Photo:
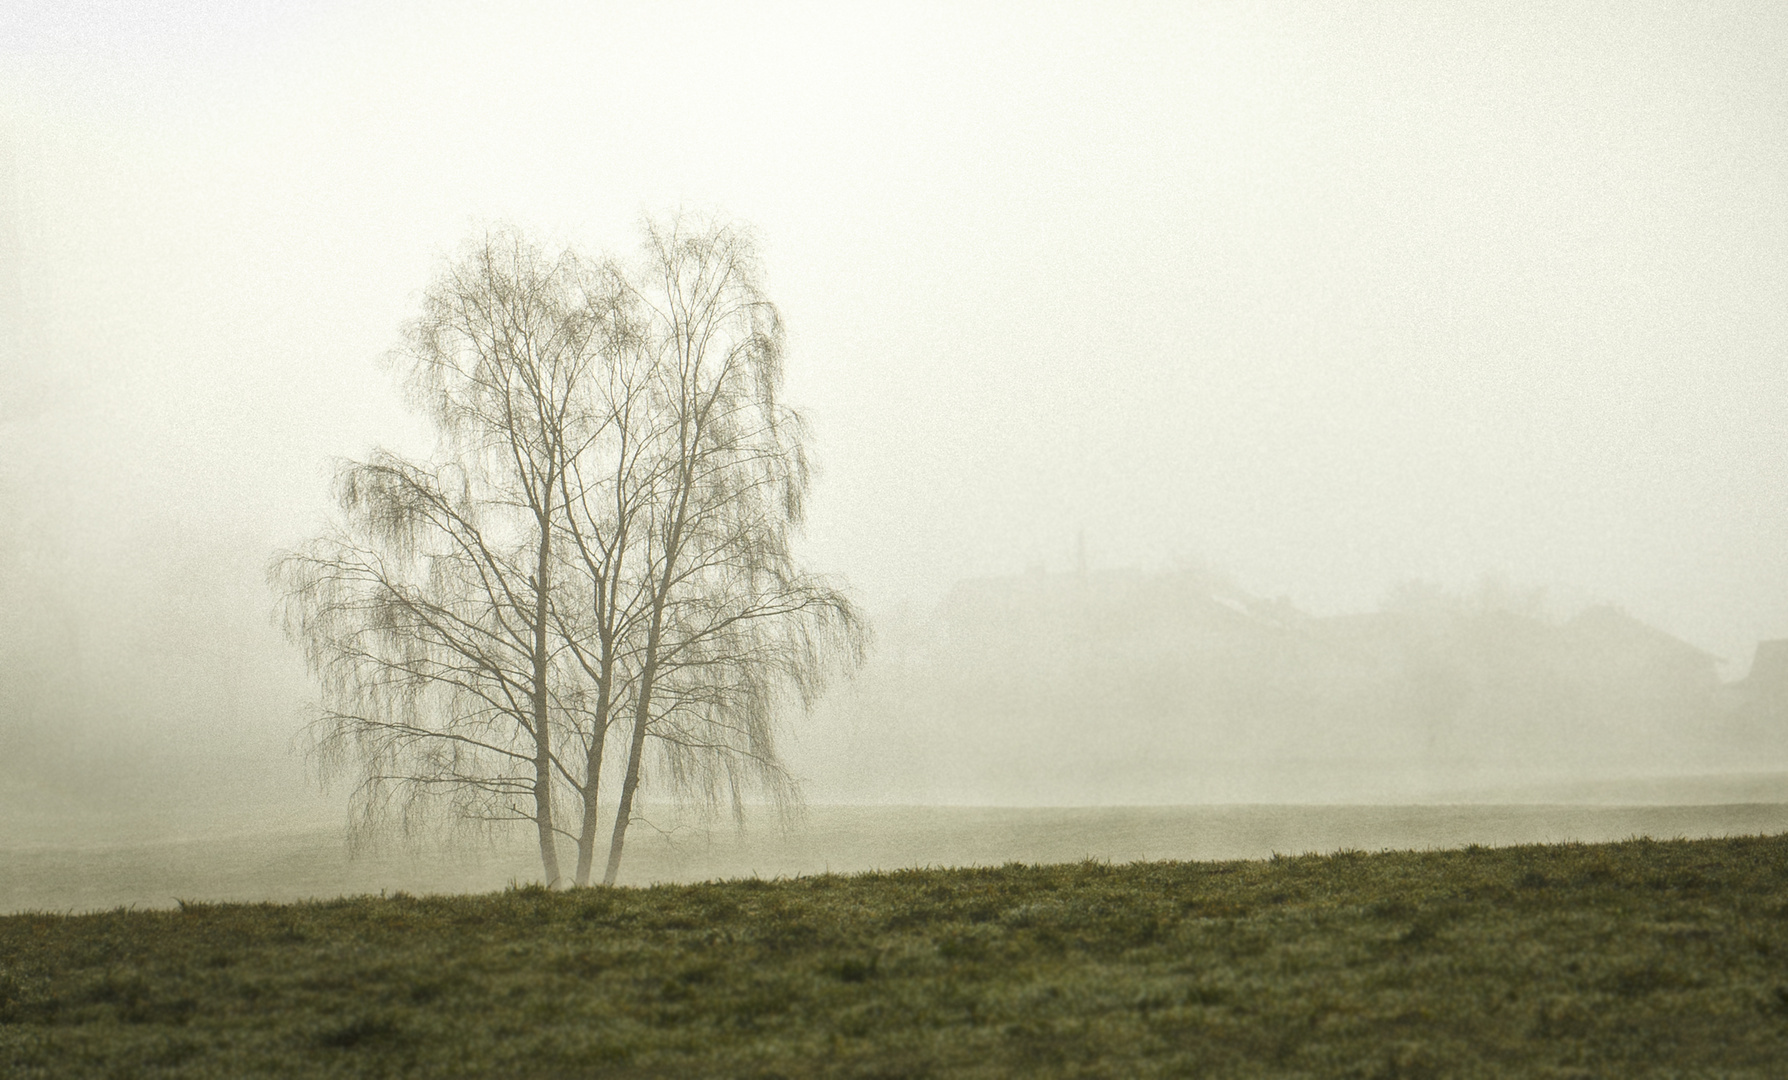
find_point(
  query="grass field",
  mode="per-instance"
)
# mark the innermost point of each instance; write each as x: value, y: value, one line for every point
x: 1642, y: 958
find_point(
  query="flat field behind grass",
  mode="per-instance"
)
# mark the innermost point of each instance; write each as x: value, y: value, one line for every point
x: 73, y: 865
x: 1640, y: 958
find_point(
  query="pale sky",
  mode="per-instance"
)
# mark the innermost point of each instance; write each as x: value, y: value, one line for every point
x: 1327, y: 295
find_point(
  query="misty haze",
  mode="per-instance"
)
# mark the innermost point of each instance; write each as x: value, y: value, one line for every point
x: 1230, y: 409
x: 448, y: 451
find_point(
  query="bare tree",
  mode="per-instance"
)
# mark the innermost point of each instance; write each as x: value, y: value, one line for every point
x: 429, y: 611
x: 606, y: 498
x: 726, y: 626
x: 606, y: 539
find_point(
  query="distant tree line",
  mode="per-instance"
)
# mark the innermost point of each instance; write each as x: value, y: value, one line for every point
x: 592, y: 582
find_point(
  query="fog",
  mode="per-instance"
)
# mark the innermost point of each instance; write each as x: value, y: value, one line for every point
x: 1449, y: 332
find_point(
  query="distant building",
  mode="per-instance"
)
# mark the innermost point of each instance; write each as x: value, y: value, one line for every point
x: 1763, y: 693
x: 1611, y: 648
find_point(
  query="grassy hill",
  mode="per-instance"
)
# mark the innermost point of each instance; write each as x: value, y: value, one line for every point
x: 1641, y: 958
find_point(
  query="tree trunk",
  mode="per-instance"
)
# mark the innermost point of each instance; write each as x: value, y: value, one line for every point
x: 543, y: 749
x: 586, y: 836
x: 642, y: 710
x: 625, y: 812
